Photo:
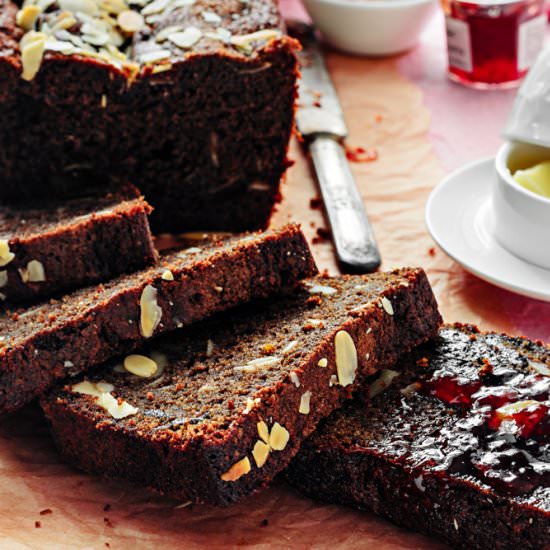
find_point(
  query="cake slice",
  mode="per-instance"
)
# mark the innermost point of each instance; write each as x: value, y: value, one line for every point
x: 457, y: 447
x: 51, y: 247
x: 213, y: 414
x: 65, y: 337
x: 191, y: 100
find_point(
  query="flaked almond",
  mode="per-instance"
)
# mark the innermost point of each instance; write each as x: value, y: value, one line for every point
x: 278, y: 437
x: 266, y: 361
x: 140, y: 365
x: 130, y: 21
x: 32, y: 51
x: 294, y: 379
x: 238, y: 470
x: 260, y: 453
x: 26, y: 17
x: 187, y: 38
x: 167, y: 275
x: 33, y: 273
x: 151, y: 313
x: 346, y: 358
x: 323, y: 362
x: 156, y: 6
x: 209, y: 347
x: 263, y: 431
x: 90, y: 388
x: 88, y: 7
x: 383, y: 382
x: 246, y: 41
x: 116, y: 408
x: 322, y: 289
x: 304, y: 403
x: 154, y: 56
x: 3, y: 279
x: 386, y: 305
x: 6, y: 255
x: 289, y: 347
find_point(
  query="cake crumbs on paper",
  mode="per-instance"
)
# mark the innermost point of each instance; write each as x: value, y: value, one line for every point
x: 431, y: 251
x: 46, y: 511
x: 37, y: 524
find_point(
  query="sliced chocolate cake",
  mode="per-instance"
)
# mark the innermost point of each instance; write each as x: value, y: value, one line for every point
x: 213, y: 413
x: 453, y: 441
x: 64, y: 337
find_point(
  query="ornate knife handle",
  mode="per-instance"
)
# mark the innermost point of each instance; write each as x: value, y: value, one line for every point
x: 351, y: 230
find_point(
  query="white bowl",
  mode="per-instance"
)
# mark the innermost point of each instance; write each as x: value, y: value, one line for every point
x: 522, y: 217
x: 371, y: 27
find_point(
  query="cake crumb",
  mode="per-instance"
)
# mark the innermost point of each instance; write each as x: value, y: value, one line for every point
x: 264, y: 522
x: 360, y: 154
x: 431, y: 251
x: 323, y: 235
x: 108, y: 522
x: 315, y: 203
x: 107, y: 507
x: 37, y: 524
x: 46, y: 511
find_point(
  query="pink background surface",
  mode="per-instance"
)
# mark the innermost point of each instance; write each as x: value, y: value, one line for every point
x: 464, y: 125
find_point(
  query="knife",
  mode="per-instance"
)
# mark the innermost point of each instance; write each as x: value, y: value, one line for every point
x: 321, y: 123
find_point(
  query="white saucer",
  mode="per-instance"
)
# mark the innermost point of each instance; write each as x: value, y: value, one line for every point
x: 459, y: 216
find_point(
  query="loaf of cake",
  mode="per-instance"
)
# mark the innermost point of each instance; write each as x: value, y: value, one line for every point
x: 453, y: 442
x: 48, y: 247
x: 214, y: 413
x: 190, y: 100
x: 61, y: 338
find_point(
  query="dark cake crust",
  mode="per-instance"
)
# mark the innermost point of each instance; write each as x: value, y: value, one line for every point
x: 65, y: 337
x: 370, y: 455
x: 204, y: 137
x: 75, y: 243
x: 196, y: 429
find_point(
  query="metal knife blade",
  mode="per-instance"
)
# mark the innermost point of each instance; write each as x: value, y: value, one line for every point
x: 320, y: 121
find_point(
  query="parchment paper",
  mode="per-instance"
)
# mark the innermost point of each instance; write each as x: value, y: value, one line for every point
x: 386, y: 112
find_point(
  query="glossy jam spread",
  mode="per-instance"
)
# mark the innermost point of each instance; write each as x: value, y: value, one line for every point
x: 502, y: 434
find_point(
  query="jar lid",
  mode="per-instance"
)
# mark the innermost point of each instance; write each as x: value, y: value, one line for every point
x: 529, y: 121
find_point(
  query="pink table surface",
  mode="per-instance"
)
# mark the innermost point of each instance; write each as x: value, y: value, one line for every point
x: 465, y: 125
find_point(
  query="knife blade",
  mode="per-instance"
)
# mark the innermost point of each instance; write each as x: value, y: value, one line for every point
x: 320, y: 121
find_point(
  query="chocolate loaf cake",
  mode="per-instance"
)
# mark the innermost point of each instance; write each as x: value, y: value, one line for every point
x: 190, y: 100
x: 53, y: 247
x: 457, y: 447
x: 65, y: 337
x: 213, y: 414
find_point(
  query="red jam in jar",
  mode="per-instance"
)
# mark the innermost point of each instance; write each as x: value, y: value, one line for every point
x: 493, y: 43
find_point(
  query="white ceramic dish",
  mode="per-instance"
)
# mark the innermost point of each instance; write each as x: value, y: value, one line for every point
x: 460, y: 218
x: 522, y: 217
x: 371, y: 27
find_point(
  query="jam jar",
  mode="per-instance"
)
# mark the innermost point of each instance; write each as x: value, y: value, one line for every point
x: 492, y: 43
